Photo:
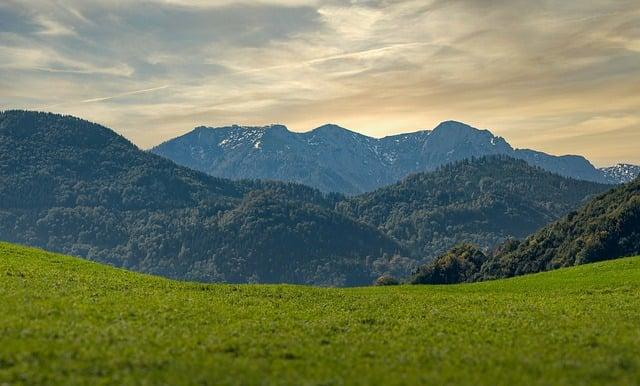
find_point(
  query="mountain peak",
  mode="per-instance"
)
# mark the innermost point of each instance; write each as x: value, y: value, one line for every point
x: 330, y: 127
x: 456, y: 128
x: 452, y: 123
x: 273, y: 126
x: 337, y: 132
x: 459, y: 137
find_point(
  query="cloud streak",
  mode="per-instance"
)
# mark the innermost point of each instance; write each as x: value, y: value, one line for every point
x: 128, y: 93
x: 347, y: 55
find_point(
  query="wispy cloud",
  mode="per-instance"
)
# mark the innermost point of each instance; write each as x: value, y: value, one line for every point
x: 347, y: 55
x: 52, y: 27
x: 45, y: 59
x: 128, y: 93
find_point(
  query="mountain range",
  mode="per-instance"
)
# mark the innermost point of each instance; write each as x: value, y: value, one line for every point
x: 73, y: 186
x: 334, y: 159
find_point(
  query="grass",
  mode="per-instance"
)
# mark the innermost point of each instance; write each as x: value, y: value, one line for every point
x: 68, y: 321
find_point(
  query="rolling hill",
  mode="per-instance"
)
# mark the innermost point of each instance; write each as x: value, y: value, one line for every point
x: 75, y: 187
x: 67, y: 321
x: 334, y: 159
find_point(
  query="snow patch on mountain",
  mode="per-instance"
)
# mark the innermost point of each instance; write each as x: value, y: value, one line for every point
x: 621, y: 173
x: 332, y: 158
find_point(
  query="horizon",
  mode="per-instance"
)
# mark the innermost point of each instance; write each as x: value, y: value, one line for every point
x: 559, y: 77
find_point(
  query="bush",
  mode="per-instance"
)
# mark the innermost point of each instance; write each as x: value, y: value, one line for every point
x: 385, y: 280
x: 460, y: 264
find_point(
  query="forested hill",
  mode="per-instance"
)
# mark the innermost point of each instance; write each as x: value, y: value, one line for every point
x: 50, y: 160
x: 608, y: 227
x: 72, y: 186
x: 483, y: 201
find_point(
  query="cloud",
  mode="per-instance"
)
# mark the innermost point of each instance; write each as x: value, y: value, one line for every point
x: 364, y: 54
x: 46, y: 60
x: 52, y: 27
x: 143, y: 91
x: 541, y: 74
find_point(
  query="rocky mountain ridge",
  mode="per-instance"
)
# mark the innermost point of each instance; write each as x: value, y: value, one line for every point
x: 332, y: 158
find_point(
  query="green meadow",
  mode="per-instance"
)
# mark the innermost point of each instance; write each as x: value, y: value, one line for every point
x: 68, y: 321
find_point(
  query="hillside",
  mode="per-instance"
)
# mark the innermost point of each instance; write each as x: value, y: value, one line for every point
x: 334, y: 159
x: 68, y: 321
x: 75, y: 187
x: 483, y: 201
x: 607, y: 227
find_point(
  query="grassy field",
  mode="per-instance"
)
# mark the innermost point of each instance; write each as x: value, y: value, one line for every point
x: 67, y: 321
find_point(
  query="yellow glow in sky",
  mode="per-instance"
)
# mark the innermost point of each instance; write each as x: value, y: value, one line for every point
x: 556, y: 76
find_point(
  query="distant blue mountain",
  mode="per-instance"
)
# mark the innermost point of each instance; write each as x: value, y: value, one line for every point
x: 332, y: 158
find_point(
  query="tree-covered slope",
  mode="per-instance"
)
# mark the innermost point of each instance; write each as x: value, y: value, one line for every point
x: 61, y: 161
x: 76, y: 187
x: 66, y: 321
x: 482, y: 201
x: 607, y: 227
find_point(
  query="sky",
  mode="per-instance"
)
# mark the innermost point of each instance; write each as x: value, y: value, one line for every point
x: 559, y: 76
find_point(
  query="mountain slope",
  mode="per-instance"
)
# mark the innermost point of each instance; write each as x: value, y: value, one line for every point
x: 272, y: 152
x: 71, y: 322
x: 483, y: 201
x: 607, y: 227
x: 332, y: 158
x: 76, y: 187
x: 621, y: 173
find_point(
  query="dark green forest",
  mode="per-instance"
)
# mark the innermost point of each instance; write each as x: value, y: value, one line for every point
x: 460, y: 264
x: 75, y: 187
x: 72, y: 186
x: 608, y: 227
x: 484, y: 201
